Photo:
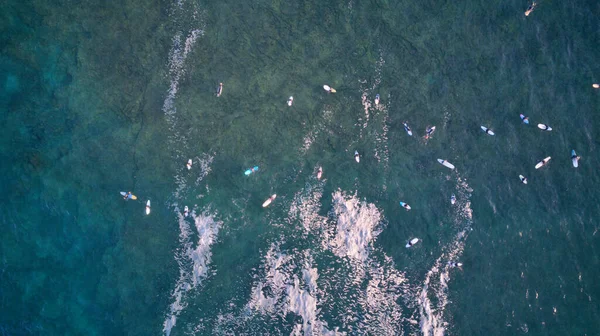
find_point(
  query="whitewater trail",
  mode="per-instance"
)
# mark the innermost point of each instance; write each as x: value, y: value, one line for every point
x: 193, y: 259
x: 436, y: 280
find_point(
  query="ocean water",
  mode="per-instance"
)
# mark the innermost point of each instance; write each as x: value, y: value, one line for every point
x: 102, y: 97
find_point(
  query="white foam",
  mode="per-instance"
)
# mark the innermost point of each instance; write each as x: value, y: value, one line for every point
x: 204, y: 168
x: 356, y: 227
x: 316, y: 130
x: 200, y: 256
x: 208, y: 229
x: 276, y: 278
x: 437, y: 278
x: 190, y: 277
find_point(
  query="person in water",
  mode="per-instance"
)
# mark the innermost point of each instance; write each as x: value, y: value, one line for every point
x: 220, y: 90
x: 530, y: 9
x: 576, y: 157
x: 428, y: 132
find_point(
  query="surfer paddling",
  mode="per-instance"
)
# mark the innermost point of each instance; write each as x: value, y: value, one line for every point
x: 329, y: 89
x: 220, y: 90
x: 412, y: 242
x: 429, y: 131
x: 530, y: 8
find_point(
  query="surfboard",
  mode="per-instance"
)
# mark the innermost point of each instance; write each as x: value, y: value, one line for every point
x: 523, y: 179
x: 542, y: 163
x: 290, y: 101
x: 405, y: 206
x: 407, y: 129
x: 133, y: 197
x: 356, y: 156
x: 320, y: 173
x: 525, y: 120
x: 251, y: 170
x: 148, y: 207
x: 446, y: 163
x: 186, y: 211
x: 544, y: 127
x: 487, y: 130
x: 452, y: 199
x: 377, y: 99
x: 189, y: 164
x: 412, y: 242
x: 574, y: 158
x: 269, y: 200
x: 328, y: 88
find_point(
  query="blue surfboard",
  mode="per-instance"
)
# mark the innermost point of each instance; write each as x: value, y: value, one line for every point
x: 251, y: 170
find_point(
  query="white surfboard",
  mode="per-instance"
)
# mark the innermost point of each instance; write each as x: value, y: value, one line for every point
x: 446, y: 163
x: 487, y: 130
x: 269, y: 200
x: 542, y: 163
x: 405, y: 206
x: 328, y: 88
x: 544, y: 127
x: 189, y: 164
x: 412, y: 242
x: 356, y: 156
x: 186, y: 211
x: 407, y: 129
x: 148, y: 207
x: 320, y: 173
x: 453, y: 199
x: 523, y: 179
x: 290, y: 101
x: 574, y: 159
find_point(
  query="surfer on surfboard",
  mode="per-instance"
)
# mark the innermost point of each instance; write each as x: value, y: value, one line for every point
x: 320, y: 173
x: 412, y: 242
x: 407, y: 128
x: 524, y: 118
x: 530, y: 9
x: 269, y: 200
x: 575, y: 158
x: 356, y: 156
x: 251, y: 170
x: 128, y: 195
x: 429, y: 131
x: 290, y: 101
x: 487, y: 130
x: 329, y: 89
x: 220, y: 90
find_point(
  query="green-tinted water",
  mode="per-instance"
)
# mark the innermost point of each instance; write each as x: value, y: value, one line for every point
x: 98, y: 98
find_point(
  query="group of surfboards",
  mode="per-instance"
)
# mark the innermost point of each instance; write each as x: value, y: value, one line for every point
x: 428, y: 134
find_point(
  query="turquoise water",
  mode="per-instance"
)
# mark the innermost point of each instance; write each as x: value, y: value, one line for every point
x: 98, y: 98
